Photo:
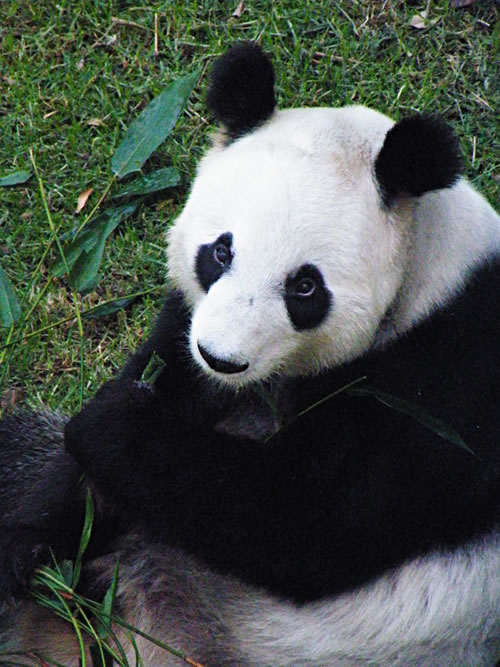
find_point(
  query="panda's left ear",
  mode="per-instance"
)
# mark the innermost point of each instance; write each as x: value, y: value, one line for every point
x: 241, y: 92
x: 420, y: 153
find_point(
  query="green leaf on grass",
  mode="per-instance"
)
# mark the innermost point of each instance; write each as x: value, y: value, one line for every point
x: 152, y: 126
x: 162, y: 179
x: 83, y: 275
x: 85, y: 241
x: 15, y: 178
x: 109, y: 308
x: 84, y: 254
x: 435, y: 425
x: 10, y: 311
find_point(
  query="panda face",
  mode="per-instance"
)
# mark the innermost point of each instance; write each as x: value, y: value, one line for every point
x: 284, y: 251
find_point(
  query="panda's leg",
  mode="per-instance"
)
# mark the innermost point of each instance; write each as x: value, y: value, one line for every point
x: 41, y: 507
x: 435, y: 611
x: 215, y: 620
x: 172, y: 598
x: 161, y: 592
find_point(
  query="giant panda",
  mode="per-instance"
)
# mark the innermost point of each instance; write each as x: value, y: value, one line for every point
x: 313, y: 478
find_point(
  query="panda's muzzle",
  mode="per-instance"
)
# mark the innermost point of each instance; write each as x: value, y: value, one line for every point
x: 221, y: 365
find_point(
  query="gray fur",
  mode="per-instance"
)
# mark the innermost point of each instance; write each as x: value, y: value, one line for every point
x: 219, y: 621
x: 448, y: 613
x: 33, y: 447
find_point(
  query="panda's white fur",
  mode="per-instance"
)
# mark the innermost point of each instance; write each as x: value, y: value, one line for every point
x: 299, y: 189
x: 412, y: 256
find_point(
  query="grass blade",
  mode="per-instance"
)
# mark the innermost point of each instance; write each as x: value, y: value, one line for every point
x: 152, y: 126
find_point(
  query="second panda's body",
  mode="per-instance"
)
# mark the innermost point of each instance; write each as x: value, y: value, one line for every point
x: 342, y: 505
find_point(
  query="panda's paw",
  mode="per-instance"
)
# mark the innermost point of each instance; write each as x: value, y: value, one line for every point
x: 121, y: 394
x: 110, y: 423
x: 116, y: 401
x: 20, y: 554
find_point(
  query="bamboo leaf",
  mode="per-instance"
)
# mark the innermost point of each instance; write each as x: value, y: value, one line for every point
x: 84, y: 540
x: 109, y: 308
x: 15, y: 178
x: 162, y: 179
x: 83, y: 276
x: 152, y: 126
x: 108, y: 605
x: 10, y: 310
x: 72, y: 251
x: 66, y: 571
x: 432, y: 423
x: 83, y: 254
x: 154, y: 369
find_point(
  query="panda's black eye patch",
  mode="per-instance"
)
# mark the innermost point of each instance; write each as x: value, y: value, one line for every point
x: 213, y: 259
x: 307, y: 298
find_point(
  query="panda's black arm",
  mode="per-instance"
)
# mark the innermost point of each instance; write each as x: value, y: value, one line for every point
x: 250, y: 509
x: 41, y: 501
x: 302, y: 516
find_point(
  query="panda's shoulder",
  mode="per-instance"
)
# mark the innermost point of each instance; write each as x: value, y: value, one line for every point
x: 472, y: 309
x: 448, y: 365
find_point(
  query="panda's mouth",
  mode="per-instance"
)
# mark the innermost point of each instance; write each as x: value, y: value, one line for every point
x: 225, y: 366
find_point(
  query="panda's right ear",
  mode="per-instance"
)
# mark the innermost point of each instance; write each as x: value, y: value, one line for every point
x: 241, y: 92
x: 420, y: 153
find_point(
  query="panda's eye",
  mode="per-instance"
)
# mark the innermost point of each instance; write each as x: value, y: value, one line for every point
x: 307, y: 298
x: 214, y: 259
x: 305, y: 287
x: 222, y: 254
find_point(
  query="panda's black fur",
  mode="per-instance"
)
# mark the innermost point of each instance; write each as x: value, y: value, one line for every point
x: 260, y: 510
x: 307, y: 488
x: 241, y: 95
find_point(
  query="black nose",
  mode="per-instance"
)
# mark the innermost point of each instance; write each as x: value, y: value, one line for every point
x: 221, y: 365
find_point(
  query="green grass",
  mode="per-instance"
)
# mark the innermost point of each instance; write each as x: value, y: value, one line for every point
x: 73, y: 77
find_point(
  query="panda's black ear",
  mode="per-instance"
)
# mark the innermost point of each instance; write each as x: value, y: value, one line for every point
x: 420, y: 153
x: 241, y: 92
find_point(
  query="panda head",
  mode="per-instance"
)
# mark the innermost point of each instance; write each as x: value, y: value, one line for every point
x: 293, y: 242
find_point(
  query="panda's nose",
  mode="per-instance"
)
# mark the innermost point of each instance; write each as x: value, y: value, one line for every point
x: 221, y: 365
